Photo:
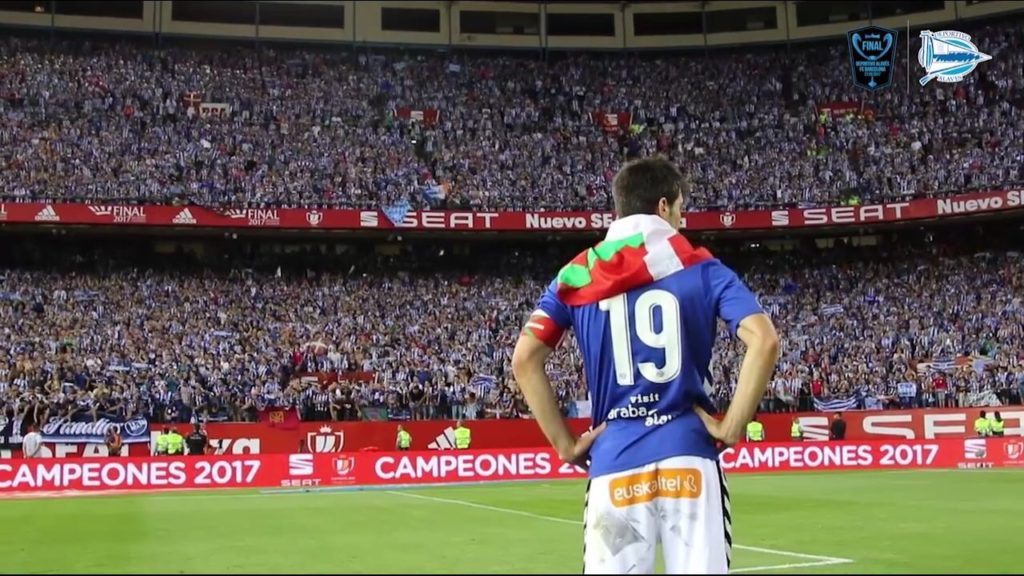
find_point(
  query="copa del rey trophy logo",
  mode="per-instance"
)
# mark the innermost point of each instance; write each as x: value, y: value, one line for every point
x: 325, y: 440
x: 343, y: 466
x: 1014, y: 450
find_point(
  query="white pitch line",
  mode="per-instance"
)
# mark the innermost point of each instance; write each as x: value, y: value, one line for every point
x: 486, y: 507
x: 791, y: 566
x: 793, y: 554
x: 820, y: 560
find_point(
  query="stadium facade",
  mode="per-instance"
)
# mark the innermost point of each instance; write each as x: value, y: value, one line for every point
x: 522, y: 25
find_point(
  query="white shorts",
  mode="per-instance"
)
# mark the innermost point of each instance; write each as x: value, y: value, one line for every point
x: 681, y: 503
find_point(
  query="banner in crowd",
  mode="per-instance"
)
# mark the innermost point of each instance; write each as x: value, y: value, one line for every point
x: 835, y: 404
x: 953, y: 363
x: 906, y: 389
x: 191, y: 99
x: 612, y: 122
x: 328, y: 378
x: 346, y: 437
x: 281, y: 418
x: 840, y: 109
x: 404, y: 468
x: 214, y: 109
x: 11, y: 432
x: 426, y: 115
x: 81, y: 429
x: 441, y: 220
x: 375, y: 413
x: 984, y: 398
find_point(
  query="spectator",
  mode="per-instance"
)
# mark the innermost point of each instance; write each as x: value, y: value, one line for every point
x: 32, y: 443
x: 837, y: 429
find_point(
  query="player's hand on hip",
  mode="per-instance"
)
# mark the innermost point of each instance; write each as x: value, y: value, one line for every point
x: 719, y: 429
x: 579, y: 453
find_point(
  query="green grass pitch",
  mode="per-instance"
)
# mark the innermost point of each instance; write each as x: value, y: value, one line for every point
x: 855, y: 522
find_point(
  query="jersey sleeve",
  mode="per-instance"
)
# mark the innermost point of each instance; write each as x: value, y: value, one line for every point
x: 733, y: 301
x: 551, y: 318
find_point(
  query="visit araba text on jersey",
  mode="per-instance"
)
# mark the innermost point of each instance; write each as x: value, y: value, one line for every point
x: 640, y: 407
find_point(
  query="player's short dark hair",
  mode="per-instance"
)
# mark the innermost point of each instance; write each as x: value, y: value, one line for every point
x: 641, y: 184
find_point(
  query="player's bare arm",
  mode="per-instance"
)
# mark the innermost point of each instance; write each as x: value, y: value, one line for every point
x: 528, y: 362
x: 762, y: 341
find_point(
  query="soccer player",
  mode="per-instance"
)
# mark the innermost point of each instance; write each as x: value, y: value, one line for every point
x: 643, y: 304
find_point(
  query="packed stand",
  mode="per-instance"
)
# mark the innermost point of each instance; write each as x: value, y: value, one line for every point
x: 937, y: 331
x: 419, y: 343
x: 176, y: 348
x: 90, y: 122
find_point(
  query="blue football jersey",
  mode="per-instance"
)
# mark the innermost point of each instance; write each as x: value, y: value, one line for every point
x: 646, y: 354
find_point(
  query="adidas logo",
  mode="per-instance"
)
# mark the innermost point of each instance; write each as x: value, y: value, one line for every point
x: 444, y: 441
x: 184, y: 217
x: 47, y: 214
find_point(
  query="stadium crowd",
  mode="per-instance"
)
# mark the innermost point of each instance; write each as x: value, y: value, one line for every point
x: 90, y: 122
x: 95, y: 122
x: 181, y: 346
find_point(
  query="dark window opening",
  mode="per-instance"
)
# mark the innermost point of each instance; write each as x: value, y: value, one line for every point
x: 665, y: 23
x: 886, y: 9
x: 742, y: 20
x: 35, y: 7
x: 301, y: 15
x: 410, y: 20
x: 484, y: 22
x: 131, y: 10
x: 816, y: 13
x: 214, y: 12
x: 581, y: 25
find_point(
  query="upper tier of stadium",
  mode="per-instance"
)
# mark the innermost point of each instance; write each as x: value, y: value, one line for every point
x: 97, y: 122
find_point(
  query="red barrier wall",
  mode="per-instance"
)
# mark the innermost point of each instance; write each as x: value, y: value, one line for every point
x: 396, y: 468
x: 495, y: 434
x: 334, y: 437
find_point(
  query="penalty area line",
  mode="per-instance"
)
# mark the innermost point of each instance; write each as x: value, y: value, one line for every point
x: 818, y: 560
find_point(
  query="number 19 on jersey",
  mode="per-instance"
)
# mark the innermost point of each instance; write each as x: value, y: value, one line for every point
x: 631, y: 330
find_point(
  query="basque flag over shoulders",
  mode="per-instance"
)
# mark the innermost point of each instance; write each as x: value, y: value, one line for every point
x: 638, y: 250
